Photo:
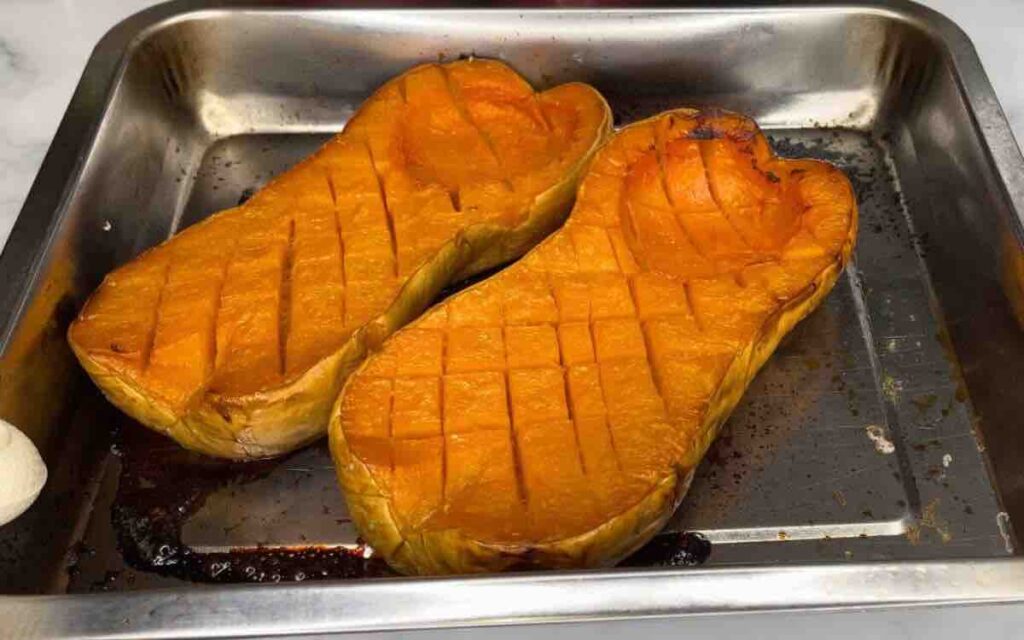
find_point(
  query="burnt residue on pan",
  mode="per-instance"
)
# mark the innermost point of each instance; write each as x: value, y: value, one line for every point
x: 162, y: 485
x: 683, y: 549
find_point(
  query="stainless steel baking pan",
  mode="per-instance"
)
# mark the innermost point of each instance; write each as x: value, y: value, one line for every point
x: 873, y: 463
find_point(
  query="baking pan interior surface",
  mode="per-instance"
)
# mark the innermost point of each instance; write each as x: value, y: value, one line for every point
x: 883, y: 429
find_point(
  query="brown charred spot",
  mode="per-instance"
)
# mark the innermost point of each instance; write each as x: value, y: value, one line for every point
x: 246, y: 194
x: 224, y: 413
x: 702, y: 132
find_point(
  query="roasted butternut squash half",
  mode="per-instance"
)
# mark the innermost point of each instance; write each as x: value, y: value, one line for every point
x: 234, y: 336
x: 553, y: 415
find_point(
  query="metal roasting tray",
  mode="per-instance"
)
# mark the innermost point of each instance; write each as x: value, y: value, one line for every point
x: 873, y: 463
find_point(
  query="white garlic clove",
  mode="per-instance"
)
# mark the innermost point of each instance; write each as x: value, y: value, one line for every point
x: 22, y: 472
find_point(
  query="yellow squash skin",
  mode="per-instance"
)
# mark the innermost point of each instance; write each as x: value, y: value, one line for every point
x: 235, y: 336
x: 553, y: 415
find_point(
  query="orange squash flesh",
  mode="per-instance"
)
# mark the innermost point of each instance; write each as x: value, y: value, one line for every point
x: 552, y: 415
x: 234, y: 336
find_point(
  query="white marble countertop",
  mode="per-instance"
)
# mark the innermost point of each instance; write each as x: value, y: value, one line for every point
x: 44, y: 45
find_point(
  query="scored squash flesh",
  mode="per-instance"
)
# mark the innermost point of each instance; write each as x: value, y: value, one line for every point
x: 553, y: 415
x: 234, y: 336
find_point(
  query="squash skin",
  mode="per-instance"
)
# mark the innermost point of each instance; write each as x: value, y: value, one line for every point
x: 428, y: 551
x: 275, y: 420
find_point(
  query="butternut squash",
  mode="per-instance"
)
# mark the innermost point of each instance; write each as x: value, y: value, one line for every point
x: 553, y: 415
x: 234, y: 336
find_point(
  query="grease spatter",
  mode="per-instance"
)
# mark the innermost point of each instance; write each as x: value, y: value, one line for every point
x: 930, y: 519
x: 1003, y: 522
x: 891, y: 388
x: 924, y: 401
x: 879, y: 438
